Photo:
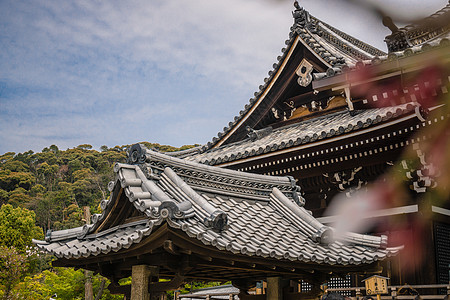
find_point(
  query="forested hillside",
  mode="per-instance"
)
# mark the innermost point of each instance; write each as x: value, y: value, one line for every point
x: 47, y: 190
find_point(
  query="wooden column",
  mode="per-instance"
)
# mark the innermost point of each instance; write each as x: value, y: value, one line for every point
x: 140, y: 279
x: 274, y: 288
x: 88, y: 289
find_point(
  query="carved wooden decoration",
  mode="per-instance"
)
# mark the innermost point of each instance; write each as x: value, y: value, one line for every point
x: 304, y: 71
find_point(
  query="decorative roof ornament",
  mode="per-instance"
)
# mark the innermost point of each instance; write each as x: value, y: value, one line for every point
x: 302, y: 19
x: 397, y: 40
x: 304, y: 71
x: 258, y: 134
x: 301, y: 16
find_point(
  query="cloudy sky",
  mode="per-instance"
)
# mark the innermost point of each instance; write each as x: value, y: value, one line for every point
x: 110, y: 72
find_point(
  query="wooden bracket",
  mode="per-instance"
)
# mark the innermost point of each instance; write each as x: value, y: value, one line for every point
x: 159, y: 287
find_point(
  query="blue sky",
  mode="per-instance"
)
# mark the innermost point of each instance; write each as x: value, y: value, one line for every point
x: 172, y: 72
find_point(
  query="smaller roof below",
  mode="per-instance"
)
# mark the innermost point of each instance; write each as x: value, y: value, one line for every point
x: 238, y: 213
x: 216, y: 292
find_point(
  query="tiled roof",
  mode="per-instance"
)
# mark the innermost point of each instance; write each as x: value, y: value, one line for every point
x: 332, y: 46
x: 308, y: 131
x: 431, y: 32
x: 240, y: 213
x: 430, y: 28
x: 443, y: 41
x: 216, y: 292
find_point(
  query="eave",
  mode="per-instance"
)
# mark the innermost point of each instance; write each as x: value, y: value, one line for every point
x: 326, y: 130
x: 396, y: 64
x: 174, y: 253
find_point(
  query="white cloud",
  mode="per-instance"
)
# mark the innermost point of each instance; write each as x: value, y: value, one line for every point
x: 118, y: 72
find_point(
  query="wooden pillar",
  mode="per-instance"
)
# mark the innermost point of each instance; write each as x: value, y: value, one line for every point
x: 162, y: 296
x: 274, y: 288
x: 140, y: 279
x: 88, y: 289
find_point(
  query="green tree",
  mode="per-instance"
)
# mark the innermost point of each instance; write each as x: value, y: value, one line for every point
x: 16, y: 166
x: 6, y: 157
x: 66, y: 283
x: 84, y: 147
x: 17, y: 227
x: 13, y: 266
x: 19, y: 197
x: 11, y: 180
x: 26, y: 157
x: 4, y: 196
x: 48, y: 173
x: 73, y: 217
x: 54, y: 149
x: 37, y: 189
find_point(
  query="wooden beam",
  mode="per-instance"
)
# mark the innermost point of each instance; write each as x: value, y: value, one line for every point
x: 170, y: 247
x: 166, y: 286
x: 107, y: 218
x: 120, y: 289
x: 254, y: 268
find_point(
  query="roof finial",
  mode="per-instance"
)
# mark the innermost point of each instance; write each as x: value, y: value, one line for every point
x: 397, y: 40
x: 387, y: 21
x: 300, y: 15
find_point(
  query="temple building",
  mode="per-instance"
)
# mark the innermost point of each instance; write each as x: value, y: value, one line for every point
x: 335, y: 117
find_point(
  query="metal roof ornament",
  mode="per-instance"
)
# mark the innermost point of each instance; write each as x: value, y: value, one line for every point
x: 301, y: 16
x: 258, y: 134
x: 136, y: 155
x: 397, y: 40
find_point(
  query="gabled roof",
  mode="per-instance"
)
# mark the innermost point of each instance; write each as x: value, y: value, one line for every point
x: 303, y: 133
x: 238, y: 213
x: 215, y: 292
x: 329, y: 46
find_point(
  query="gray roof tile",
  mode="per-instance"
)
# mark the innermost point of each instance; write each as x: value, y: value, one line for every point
x: 273, y: 226
x: 305, y: 132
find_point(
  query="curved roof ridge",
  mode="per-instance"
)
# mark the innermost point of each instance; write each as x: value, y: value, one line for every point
x: 184, y: 153
x: 419, y: 32
x: 209, y: 178
x: 177, y: 163
x: 361, y: 45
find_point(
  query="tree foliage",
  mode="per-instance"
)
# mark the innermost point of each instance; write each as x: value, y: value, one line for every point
x: 13, y: 265
x: 17, y: 227
x: 49, y: 189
